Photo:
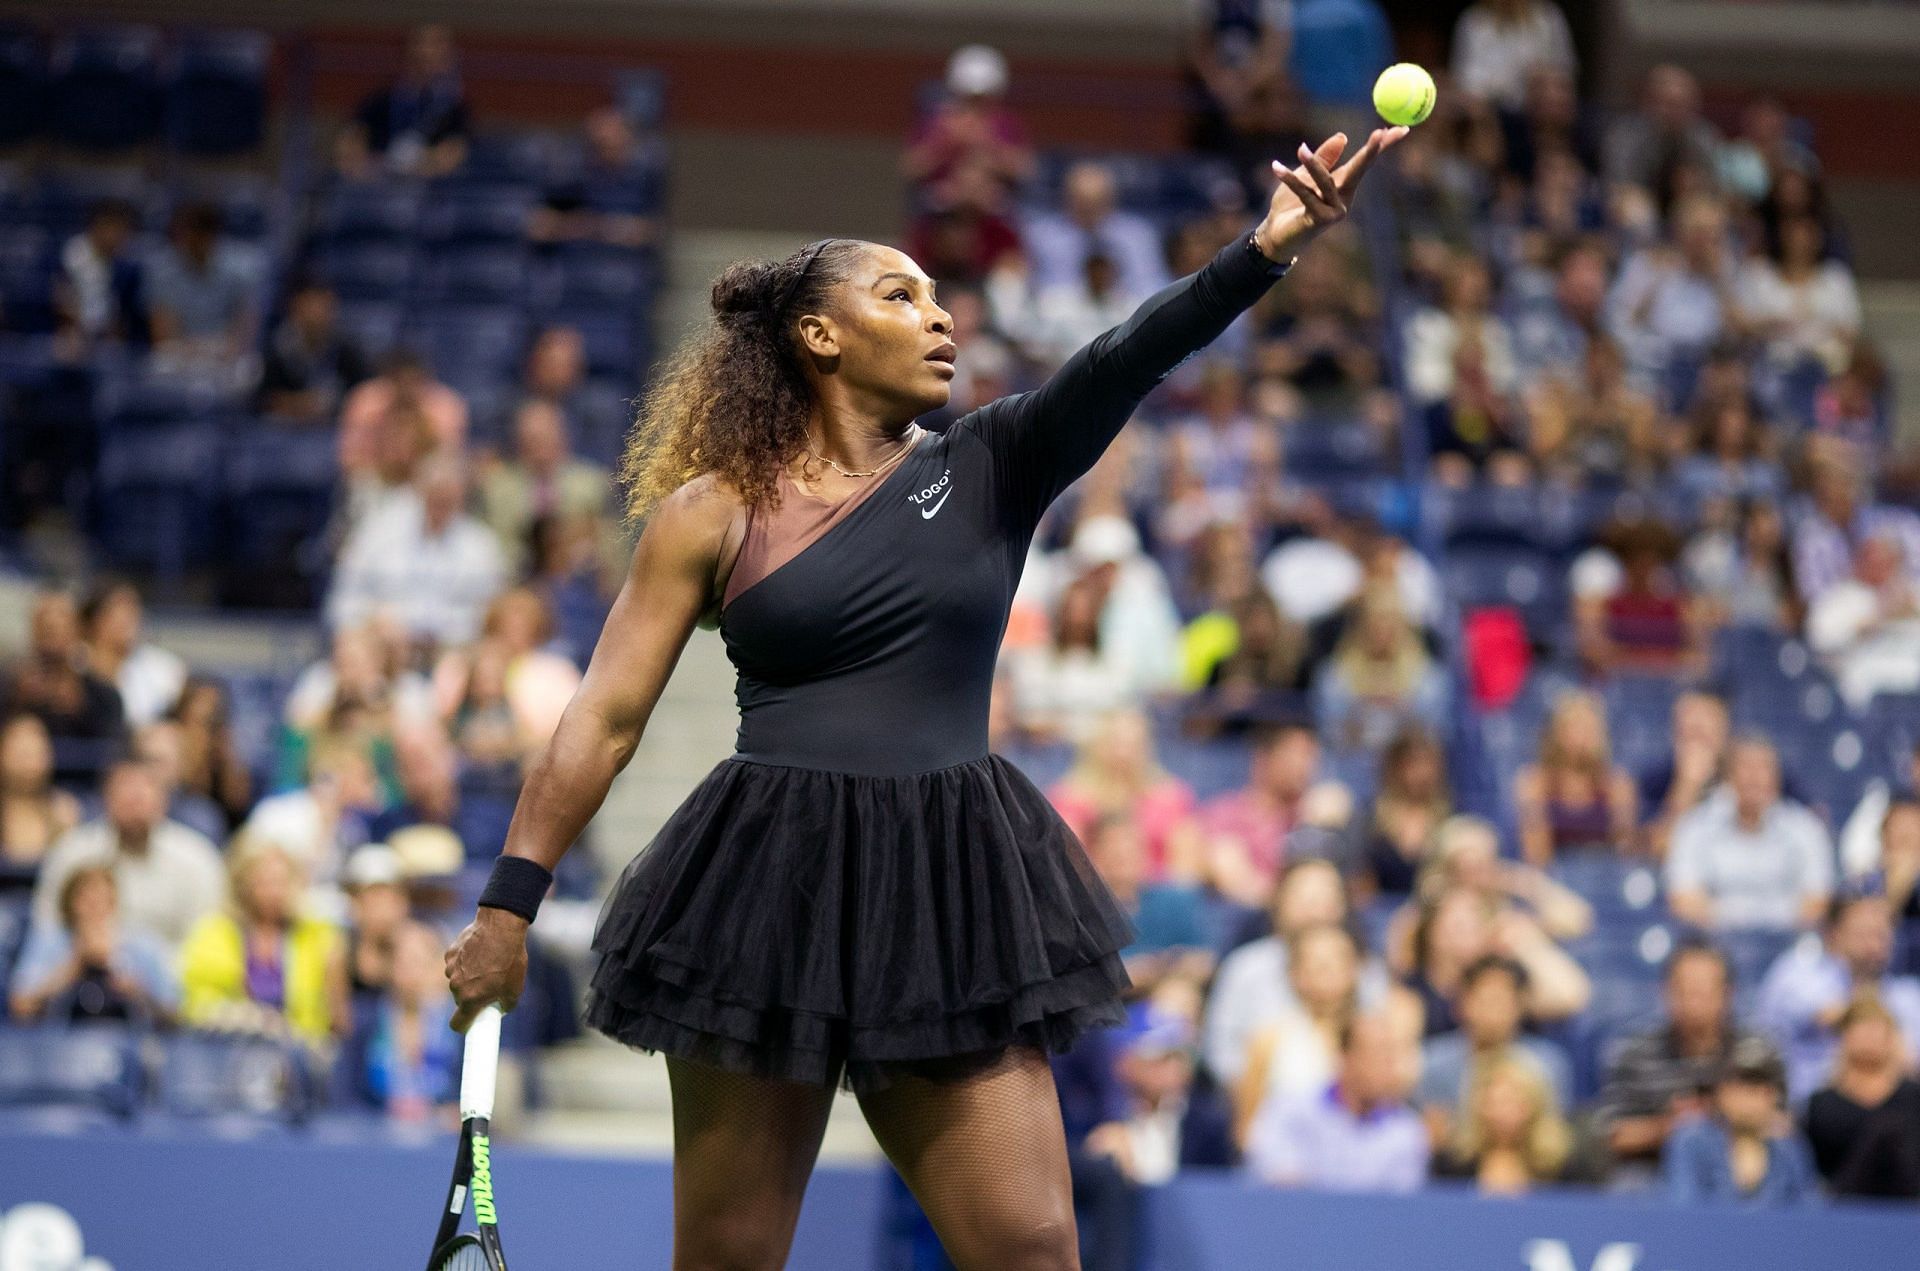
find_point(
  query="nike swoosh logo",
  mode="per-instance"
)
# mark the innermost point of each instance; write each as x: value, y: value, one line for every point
x: 926, y: 514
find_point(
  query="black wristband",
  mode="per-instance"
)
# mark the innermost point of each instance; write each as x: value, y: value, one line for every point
x: 1274, y: 268
x: 516, y: 885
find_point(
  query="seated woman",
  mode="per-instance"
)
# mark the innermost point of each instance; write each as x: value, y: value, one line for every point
x: 1465, y: 855
x: 1249, y: 673
x: 401, y: 1056
x: 1063, y: 688
x: 1741, y: 567
x: 525, y: 674
x: 1648, y: 622
x: 1410, y: 805
x: 1513, y: 1137
x: 32, y: 812
x: 1116, y: 772
x: 1865, y: 1126
x: 1574, y: 796
x: 262, y: 967
x: 1169, y: 919
x: 1294, y: 1054
x: 88, y: 967
x: 1380, y: 678
x: 1460, y: 926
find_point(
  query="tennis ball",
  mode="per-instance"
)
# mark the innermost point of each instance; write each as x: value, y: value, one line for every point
x: 1404, y: 94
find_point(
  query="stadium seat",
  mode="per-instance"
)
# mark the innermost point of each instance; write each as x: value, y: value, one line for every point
x: 367, y: 270
x: 26, y: 279
x: 105, y: 92
x: 478, y: 214
x: 217, y: 92
x: 1620, y: 888
x: 247, y: 204
x: 1491, y: 575
x: 520, y: 158
x: 374, y: 325
x: 23, y: 84
x: 641, y: 94
x: 1753, y: 952
x: 277, y: 493
x: 358, y: 212
x: 236, y: 1083
x: 599, y: 417
x: 1487, y: 516
x: 473, y: 275
x: 156, y: 498
x: 611, y: 337
x: 91, y: 1067
x: 475, y: 342
x: 1322, y: 450
x: 605, y: 279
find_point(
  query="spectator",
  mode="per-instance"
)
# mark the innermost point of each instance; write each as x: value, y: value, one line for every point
x: 966, y: 236
x: 1659, y: 1079
x: 1898, y: 864
x: 1511, y: 1136
x: 542, y: 479
x: 1745, y: 1149
x: 1694, y: 766
x: 54, y: 683
x: 1593, y: 424
x: 1247, y: 829
x: 1412, y: 802
x: 85, y: 968
x: 1836, y: 517
x: 422, y: 558
x: 1356, y: 1135
x: 33, y: 813
x: 405, y: 380
x: 1174, y: 1118
x: 377, y: 908
x: 168, y: 876
x: 1741, y: 570
x: 1222, y: 441
x: 539, y: 681
x: 1236, y: 70
x: 614, y: 198
x: 1799, y: 302
x: 1254, y: 989
x: 1138, y: 621
x: 401, y: 1056
x: 1865, y: 1126
x: 149, y: 677
x: 1317, y: 333
x: 1294, y: 1055
x: 1465, y: 855
x: 1574, y: 796
x: 1645, y: 623
x: 1745, y: 857
x: 1666, y: 131
x: 416, y: 126
x: 158, y: 746
x: 403, y: 443
x: 1807, y: 991
x: 202, y: 292
x: 1671, y: 304
x: 210, y: 763
x: 1498, y: 45
x: 1459, y: 927
x: 1064, y: 690
x: 1553, y: 331
x: 1380, y: 677
x: 1116, y: 772
x: 368, y: 665
x: 1731, y: 456
x: 971, y: 127
x: 555, y: 370
x: 1493, y: 994
x: 426, y: 765
x: 574, y: 575
x: 261, y: 966
x: 1314, y: 578
x: 1058, y: 243
x: 1169, y: 919
x: 1464, y: 317
x: 1067, y: 316
x: 97, y: 293
x: 311, y: 363
x: 1748, y: 163
x: 320, y: 823
x: 1867, y: 628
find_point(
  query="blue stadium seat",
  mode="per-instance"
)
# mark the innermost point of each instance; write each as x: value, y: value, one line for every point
x: 1487, y: 516
x: 478, y: 214
x: 23, y: 84
x: 607, y: 279
x: 641, y: 94
x: 373, y: 324
x: 611, y: 337
x: 105, y: 90
x: 1753, y: 953
x: 1322, y: 450
x: 475, y: 342
x: 144, y: 403
x: 1621, y: 890
x: 90, y: 1067
x: 474, y: 275
x: 1494, y: 575
x: 381, y: 211
x: 69, y: 193
x: 278, y: 492
x: 367, y: 270
x: 246, y: 203
x: 235, y: 1083
x: 217, y: 92
x: 599, y: 417
x: 156, y: 498
x: 26, y: 279
x: 520, y: 158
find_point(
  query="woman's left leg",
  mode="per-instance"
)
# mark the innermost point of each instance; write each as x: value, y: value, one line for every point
x: 986, y: 1157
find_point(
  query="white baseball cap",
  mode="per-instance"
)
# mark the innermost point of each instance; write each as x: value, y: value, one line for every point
x: 977, y: 70
x: 374, y: 865
x: 1103, y: 540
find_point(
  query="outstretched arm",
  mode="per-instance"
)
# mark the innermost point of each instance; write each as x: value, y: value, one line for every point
x: 1043, y: 440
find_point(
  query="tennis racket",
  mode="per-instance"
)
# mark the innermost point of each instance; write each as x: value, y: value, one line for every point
x: 473, y: 1163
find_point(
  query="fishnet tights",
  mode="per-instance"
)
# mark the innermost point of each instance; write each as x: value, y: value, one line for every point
x: 984, y: 1154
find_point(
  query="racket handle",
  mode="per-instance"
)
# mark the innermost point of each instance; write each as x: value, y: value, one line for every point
x: 481, y: 1066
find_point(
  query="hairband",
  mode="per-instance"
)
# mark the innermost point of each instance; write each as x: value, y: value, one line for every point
x: 780, y: 301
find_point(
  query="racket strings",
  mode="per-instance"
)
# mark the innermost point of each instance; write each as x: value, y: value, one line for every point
x: 463, y: 1257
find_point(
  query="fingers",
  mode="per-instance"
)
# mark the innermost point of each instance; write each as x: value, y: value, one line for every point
x: 1322, y: 177
x: 1317, y: 207
x: 464, y: 1015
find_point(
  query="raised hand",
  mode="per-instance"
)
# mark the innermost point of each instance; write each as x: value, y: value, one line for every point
x: 1317, y: 194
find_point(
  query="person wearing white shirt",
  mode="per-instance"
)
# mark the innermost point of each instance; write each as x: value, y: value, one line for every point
x: 1746, y: 857
x: 1066, y: 317
x: 1802, y: 304
x: 1498, y: 44
x: 422, y: 558
x: 1089, y: 222
x: 168, y: 876
x: 1311, y: 578
x: 149, y: 678
x: 1868, y: 627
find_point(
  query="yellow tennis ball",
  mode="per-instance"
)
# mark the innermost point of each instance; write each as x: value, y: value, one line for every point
x: 1404, y: 94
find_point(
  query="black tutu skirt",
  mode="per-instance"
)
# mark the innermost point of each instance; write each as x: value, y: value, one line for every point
x: 830, y: 928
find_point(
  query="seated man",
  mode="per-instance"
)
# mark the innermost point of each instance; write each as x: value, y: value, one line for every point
x: 1358, y: 1134
x: 1865, y: 1126
x: 1740, y: 1152
x: 1492, y: 1008
x: 1747, y: 857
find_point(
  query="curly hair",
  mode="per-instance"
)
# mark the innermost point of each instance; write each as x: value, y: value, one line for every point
x: 732, y: 401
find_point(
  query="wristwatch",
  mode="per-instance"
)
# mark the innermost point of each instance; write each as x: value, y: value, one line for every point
x: 1272, y: 267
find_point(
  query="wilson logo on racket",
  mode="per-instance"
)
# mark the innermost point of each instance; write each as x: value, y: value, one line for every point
x: 483, y: 1181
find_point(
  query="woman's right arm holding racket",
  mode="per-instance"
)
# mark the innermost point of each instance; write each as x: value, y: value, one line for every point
x: 672, y: 580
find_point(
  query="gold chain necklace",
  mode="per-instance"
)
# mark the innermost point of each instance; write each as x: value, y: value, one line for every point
x: 906, y: 445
